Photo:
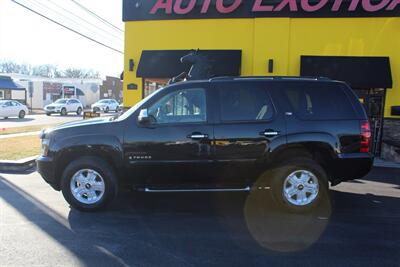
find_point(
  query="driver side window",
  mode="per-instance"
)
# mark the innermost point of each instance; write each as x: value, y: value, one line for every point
x: 182, y: 106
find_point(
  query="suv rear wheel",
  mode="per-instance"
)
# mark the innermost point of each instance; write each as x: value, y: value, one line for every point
x: 79, y: 111
x: 299, y: 185
x: 89, y: 184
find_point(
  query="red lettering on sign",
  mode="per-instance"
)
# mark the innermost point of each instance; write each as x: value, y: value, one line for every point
x: 225, y: 10
x: 393, y: 5
x: 353, y: 5
x: 181, y: 11
x: 162, y: 4
x: 292, y: 5
x: 372, y: 8
x: 258, y: 7
x: 336, y: 5
x: 206, y: 6
x: 309, y: 8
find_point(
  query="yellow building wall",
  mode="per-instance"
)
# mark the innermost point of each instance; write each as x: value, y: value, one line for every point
x: 282, y: 39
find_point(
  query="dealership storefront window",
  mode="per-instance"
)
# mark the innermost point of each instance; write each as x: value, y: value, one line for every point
x: 152, y: 84
x: 353, y: 41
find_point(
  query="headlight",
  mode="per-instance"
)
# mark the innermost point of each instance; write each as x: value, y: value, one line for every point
x: 45, y: 146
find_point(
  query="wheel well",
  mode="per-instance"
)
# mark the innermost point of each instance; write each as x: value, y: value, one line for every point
x: 67, y: 157
x: 318, y: 152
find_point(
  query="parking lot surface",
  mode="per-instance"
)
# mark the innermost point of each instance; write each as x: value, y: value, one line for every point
x: 41, y: 119
x: 360, y: 228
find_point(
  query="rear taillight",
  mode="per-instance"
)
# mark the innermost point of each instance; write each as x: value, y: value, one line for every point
x: 365, y: 132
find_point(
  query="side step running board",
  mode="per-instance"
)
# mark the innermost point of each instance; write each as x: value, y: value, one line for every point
x: 150, y: 190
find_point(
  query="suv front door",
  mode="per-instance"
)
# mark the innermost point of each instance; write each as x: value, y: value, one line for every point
x: 175, y: 148
x: 249, y: 122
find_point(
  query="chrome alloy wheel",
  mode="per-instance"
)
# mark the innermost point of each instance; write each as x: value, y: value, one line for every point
x: 87, y: 186
x: 300, y: 188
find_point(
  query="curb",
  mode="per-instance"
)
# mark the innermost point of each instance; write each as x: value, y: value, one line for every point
x: 21, y: 165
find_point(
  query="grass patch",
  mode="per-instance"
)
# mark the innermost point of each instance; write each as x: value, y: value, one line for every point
x: 16, y: 148
x: 25, y: 129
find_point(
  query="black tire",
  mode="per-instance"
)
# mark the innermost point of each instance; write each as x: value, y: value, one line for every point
x: 79, y: 111
x: 104, y: 169
x: 48, y: 114
x: 21, y: 114
x: 107, y: 110
x: 63, y: 112
x: 279, y: 174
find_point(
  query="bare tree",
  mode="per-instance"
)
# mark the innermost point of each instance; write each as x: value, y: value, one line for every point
x: 47, y: 70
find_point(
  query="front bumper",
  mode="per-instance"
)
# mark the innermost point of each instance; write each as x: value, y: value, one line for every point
x: 98, y: 108
x: 56, y: 110
x: 46, y: 168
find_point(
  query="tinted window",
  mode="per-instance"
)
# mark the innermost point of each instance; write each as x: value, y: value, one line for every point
x: 245, y: 103
x: 181, y: 106
x: 319, y: 101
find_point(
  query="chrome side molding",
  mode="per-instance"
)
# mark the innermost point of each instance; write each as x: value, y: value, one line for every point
x: 149, y: 190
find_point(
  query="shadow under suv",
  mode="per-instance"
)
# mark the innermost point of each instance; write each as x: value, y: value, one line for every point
x: 292, y: 135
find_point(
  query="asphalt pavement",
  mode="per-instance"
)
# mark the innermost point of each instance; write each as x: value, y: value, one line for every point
x: 360, y: 227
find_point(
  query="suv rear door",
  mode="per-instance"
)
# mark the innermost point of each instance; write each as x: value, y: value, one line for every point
x: 249, y: 122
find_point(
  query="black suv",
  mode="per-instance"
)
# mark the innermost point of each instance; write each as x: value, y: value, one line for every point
x: 291, y: 136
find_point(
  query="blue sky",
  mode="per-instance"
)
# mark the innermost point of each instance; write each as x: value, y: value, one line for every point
x: 28, y: 38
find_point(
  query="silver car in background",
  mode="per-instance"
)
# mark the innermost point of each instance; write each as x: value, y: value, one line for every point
x: 12, y: 108
x: 106, y: 105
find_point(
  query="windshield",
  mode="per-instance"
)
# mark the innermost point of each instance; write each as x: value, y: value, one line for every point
x: 139, y: 104
x: 61, y: 101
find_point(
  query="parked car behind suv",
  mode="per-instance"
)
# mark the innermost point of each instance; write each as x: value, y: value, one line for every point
x: 290, y: 135
x: 64, y: 106
x: 12, y: 108
x: 106, y: 105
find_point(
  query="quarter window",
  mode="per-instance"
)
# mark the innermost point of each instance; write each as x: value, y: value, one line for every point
x: 183, y: 106
x: 245, y: 104
x: 319, y: 101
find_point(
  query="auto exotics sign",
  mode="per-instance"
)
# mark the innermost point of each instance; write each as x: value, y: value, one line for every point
x: 204, y: 9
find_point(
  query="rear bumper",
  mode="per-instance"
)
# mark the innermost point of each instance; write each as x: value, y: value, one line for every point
x: 352, y: 166
x: 46, y: 168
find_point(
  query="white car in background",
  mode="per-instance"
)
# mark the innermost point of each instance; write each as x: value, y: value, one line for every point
x: 106, y: 105
x: 64, y: 106
x: 12, y: 108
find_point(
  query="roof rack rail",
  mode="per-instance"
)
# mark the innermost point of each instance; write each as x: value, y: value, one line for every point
x: 237, y: 78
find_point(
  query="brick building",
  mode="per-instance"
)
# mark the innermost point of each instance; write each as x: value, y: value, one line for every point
x: 111, y: 88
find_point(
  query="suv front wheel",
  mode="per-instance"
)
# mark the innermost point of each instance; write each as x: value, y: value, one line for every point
x: 299, y: 185
x: 89, y: 184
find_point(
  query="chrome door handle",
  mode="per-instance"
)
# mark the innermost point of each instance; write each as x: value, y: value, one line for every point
x: 197, y: 136
x: 271, y: 133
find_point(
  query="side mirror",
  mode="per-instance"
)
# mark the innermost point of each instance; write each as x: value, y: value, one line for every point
x: 144, y: 117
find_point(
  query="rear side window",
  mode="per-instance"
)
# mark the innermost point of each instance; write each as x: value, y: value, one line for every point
x: 245, y: 103
x: 319, y: 101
